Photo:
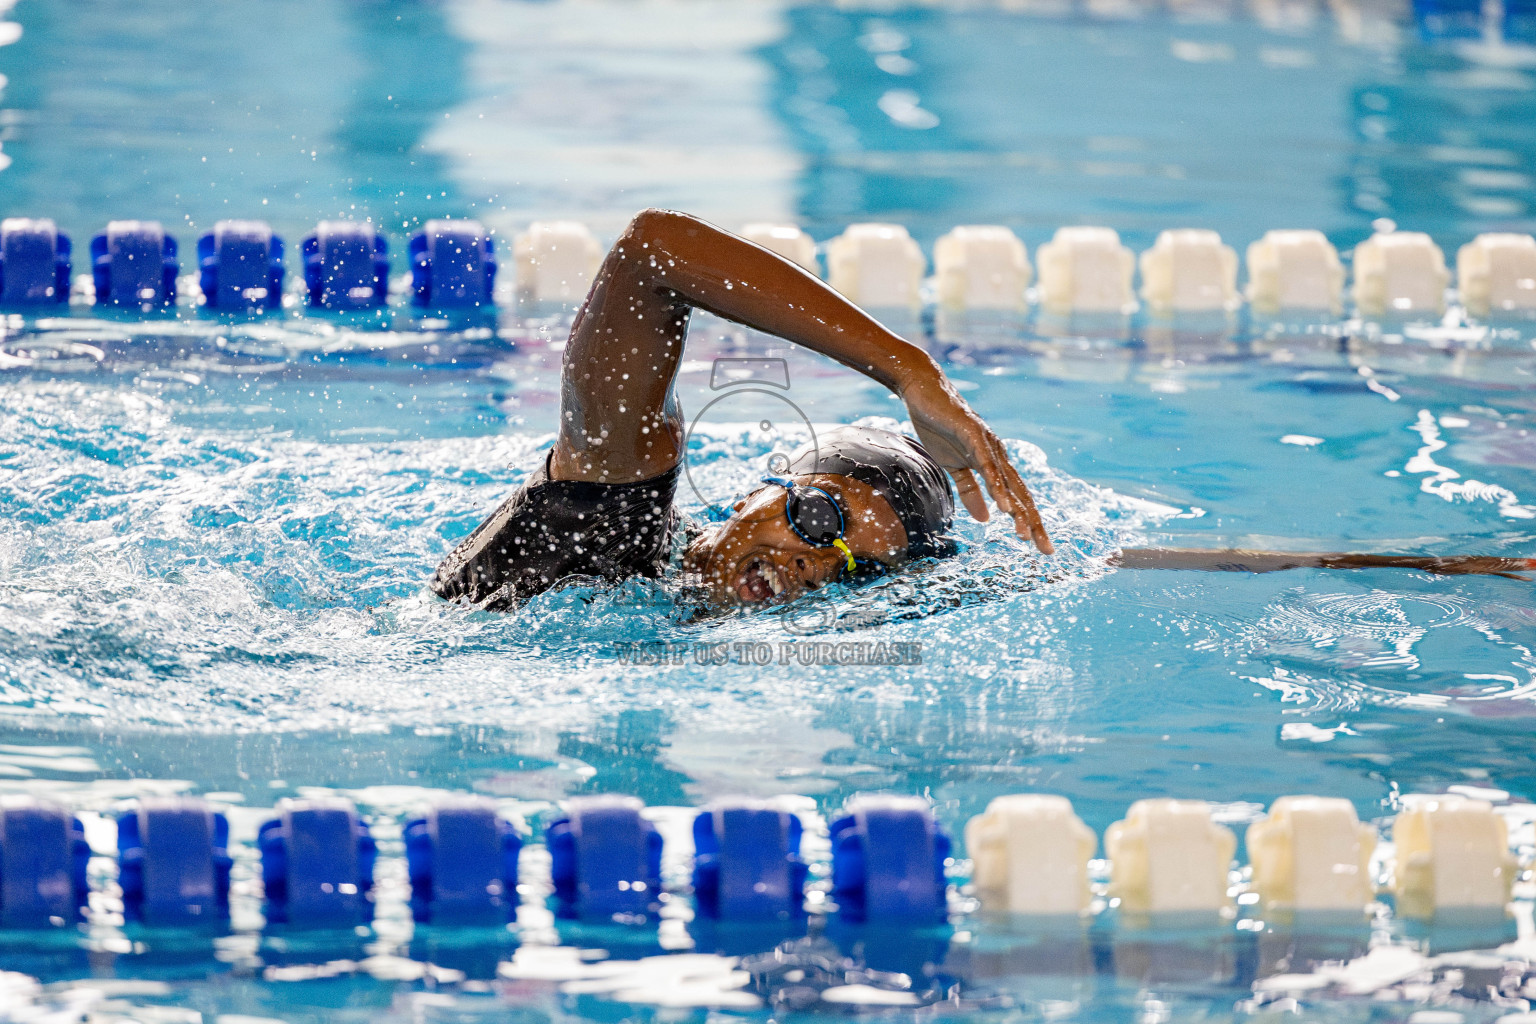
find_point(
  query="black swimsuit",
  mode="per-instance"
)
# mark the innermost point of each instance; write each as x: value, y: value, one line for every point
x: 553, y: 529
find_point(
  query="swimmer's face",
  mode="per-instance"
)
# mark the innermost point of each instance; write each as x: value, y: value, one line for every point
x: 756, y: 557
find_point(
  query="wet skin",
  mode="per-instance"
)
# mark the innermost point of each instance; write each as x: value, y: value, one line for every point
x: 757, y: 558
x: 620, y: 420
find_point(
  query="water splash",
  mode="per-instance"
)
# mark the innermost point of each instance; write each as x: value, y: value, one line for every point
x: 176, y: 568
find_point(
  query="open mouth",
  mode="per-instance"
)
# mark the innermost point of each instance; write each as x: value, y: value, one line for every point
x: 759, y: 581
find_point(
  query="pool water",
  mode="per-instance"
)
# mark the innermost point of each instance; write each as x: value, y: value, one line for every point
x: 215, y: 533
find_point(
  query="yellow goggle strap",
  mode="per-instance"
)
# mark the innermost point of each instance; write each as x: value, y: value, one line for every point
x: 842, y: 546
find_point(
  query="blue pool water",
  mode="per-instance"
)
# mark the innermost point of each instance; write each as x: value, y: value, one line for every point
x: 214, y: 534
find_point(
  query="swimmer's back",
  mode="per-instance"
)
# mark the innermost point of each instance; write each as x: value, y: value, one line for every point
x: 550, y: 530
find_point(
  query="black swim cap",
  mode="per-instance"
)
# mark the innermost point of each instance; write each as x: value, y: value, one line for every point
x: 899, y: 470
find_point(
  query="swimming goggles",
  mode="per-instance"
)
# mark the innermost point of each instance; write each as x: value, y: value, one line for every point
x: 815, y: 516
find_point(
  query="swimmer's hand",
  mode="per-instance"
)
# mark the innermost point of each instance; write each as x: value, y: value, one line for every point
x: 965, y: 446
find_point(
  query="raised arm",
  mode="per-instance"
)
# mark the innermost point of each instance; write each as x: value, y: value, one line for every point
x: 619, y: 419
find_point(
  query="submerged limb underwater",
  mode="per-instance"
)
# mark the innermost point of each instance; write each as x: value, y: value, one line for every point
x: 1233, y: 560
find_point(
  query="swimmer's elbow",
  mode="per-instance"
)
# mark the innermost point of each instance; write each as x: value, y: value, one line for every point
x: 656, y: 225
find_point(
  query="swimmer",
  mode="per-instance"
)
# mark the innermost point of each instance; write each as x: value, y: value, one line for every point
x: 859, y: 500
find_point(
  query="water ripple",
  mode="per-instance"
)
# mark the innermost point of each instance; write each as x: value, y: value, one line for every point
x: 161, y: 569
x: 1338, y: 651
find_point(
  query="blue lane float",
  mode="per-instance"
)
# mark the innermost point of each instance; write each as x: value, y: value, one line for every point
x: 453, y: 265
x: 1449, y: 19
x: 317, y: 860
x: 173, y: 862
x: 240, y: 266
x: 346, y: 266
x: 462, y: 860
x: 747, y: 864
x: 888, y: 863
x: 605, y: 859
x: 34, y: 262
x: 134, y: 264
x: 1520, y: 21
x: 888, y: 858
x: 43, y: 858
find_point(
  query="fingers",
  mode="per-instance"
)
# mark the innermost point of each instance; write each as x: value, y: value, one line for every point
x: 1012, y: 495
x: 986, y: 455
x: 1020, y: 492
x: 970, y: 494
